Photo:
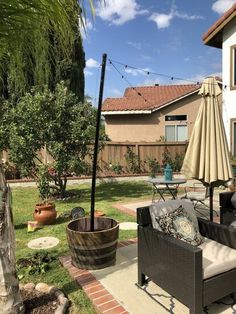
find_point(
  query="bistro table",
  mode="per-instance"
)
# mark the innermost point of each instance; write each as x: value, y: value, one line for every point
x: 161, y: 186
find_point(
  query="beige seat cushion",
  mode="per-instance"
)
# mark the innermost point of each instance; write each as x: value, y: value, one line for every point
x: 217, y: 258
x: 198, y: 196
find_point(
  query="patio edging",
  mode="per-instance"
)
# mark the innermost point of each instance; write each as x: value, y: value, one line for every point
x: 101, y: 298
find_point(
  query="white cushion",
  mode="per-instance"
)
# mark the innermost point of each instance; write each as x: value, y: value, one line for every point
x: 198, y: 196
x: 217, y: 258
x: 161, y: 208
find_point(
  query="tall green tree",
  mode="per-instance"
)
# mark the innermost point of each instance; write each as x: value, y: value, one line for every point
x: 40, y: 43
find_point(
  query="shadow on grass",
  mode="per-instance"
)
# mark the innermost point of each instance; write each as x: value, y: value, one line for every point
x: 20, y: 226
x: 114, y: 191
x: 62, y: 220
x: 70, y: 287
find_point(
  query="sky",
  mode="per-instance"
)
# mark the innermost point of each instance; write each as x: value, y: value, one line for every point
x: 141, y: 37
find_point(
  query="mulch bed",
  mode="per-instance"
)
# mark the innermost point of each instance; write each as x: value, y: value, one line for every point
x: 38, y: 302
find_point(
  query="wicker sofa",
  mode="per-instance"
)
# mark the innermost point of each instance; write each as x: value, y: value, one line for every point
x: 227, y: 211
x: 177, y: 267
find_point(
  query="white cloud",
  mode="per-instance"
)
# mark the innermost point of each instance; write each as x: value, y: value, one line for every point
x: 135, y: 45
x: 221, y: 6
x: 164, y: 20
x: 115, y: 93
x: 85, y: 26
x: 151, y: 82
x: 186, y: 16
x: 197, y: 78
x: 91, y: 63
x: 118, y: 12
x: 136, y: 72
x: 88, y: 73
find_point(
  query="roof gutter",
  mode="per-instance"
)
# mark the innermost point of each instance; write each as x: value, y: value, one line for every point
x: 106, y: 113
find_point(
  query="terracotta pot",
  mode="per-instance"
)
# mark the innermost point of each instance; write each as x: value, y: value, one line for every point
x: 98, y: 213
x: 45, y: 214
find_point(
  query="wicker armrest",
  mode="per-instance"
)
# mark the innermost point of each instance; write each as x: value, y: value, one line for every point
x: 225, y: 199
x: 221, y: 233
x: 168, y: 259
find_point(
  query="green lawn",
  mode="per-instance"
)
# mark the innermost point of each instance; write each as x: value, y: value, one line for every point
x: 107, y: 194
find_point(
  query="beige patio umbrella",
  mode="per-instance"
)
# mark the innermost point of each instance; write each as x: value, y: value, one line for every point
x: 207, y: 156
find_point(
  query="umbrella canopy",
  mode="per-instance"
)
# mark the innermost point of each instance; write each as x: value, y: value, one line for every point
x: 207, y: 157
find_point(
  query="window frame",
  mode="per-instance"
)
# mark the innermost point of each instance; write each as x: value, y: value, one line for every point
x: 233, y: 67
x: 175, y: 126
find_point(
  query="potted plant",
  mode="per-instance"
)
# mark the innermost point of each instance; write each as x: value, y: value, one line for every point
x: 44, y: 212
x: 93, y: 241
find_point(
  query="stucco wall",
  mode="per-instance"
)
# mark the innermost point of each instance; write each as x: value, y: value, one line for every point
x: 150, y: 127
x: 229, y: 96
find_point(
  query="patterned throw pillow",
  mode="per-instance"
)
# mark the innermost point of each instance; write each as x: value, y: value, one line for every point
x: 179, y: 225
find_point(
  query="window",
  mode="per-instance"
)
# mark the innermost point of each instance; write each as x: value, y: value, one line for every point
x: 182, y: 117
x: 176, y: 133
x: 233, y: 67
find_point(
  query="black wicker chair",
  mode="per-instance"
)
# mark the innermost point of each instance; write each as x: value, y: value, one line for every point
x: 176, y: 266
x: 227, y: 211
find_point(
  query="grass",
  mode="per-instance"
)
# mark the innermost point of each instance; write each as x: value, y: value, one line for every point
x: 107, y: 194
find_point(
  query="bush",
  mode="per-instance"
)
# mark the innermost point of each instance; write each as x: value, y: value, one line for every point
x: 154, y: 167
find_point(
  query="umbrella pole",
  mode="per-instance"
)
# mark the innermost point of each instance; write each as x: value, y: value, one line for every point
x: 211, y: 202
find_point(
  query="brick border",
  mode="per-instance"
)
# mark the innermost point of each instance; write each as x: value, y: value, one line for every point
x: 102, y: 299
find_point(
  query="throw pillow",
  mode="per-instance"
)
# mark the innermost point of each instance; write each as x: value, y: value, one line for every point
x: 233, y: 200
x: 179, y: 225
x: 160, y: 208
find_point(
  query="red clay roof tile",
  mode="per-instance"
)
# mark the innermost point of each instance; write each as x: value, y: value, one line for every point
x: 148, y: 97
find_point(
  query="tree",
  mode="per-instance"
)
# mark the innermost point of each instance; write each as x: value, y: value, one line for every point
x: 58, y: 121
x: 40, y: 43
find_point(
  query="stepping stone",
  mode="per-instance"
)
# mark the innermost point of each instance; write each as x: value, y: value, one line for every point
x: 128, y: 226
x: 43, y: 243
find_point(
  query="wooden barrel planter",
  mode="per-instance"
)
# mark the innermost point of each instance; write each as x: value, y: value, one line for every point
x: 96, y: 249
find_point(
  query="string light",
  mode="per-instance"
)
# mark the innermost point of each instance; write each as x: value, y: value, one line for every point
x: 133, y: 88
x: 172, y: 78
x: 148, y: 73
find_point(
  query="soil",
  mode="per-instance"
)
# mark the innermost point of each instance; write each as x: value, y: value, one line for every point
x: 39, y: 303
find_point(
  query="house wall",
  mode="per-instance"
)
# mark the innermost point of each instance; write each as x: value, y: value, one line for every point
x: 150, y: 127
x: 229, y: 96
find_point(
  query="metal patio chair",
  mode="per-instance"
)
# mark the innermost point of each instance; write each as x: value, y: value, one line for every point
x: 198, y: 194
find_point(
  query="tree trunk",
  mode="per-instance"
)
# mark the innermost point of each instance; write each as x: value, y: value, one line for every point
x: 10, y: 298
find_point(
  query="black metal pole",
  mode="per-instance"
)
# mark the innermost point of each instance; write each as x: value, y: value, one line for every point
x: 211, y: 202
x: 95, y: 154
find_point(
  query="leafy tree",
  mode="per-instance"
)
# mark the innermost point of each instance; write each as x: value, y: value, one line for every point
x: 57, y: 121
x: 40, y: 43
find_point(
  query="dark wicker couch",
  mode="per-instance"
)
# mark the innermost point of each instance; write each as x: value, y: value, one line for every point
x: 176, y: 266
x: 227, y: 211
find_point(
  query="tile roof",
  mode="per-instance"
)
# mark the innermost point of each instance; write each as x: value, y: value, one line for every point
x: 213, y: 36
x: 148, y: 97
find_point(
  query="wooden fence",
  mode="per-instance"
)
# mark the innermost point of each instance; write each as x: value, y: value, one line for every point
x: 114, y: 152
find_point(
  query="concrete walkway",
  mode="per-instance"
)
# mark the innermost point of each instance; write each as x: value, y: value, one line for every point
x: 113, y: 290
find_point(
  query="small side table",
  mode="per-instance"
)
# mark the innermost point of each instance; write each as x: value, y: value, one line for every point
x: 161, y: 186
